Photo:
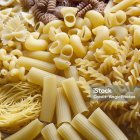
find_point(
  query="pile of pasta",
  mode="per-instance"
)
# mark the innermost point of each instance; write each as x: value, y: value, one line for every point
x: 67, y: 58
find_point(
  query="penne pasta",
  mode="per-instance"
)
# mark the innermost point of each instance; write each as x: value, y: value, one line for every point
x: 49, y: 132
x: 71, y: 72
x: 74, y: 96
x: 106, y: 125
x: 36, y: 76
x: 28, y: 132
x: 86, y: 129
x: 28, y: 63
x: 68, y: 132
x: 48, y: 99
x: 62, y: 107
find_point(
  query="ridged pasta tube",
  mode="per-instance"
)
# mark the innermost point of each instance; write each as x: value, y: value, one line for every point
x: 28, y: 132
x: 32, y: 44
x: 106, y: 125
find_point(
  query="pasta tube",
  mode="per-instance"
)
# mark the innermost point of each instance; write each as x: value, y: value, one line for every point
x: 68, y: 133
x: 74, y: 96
x: 28, y: 63
x: 36, y: 76
x: 28, y: 132
x: 106, y: 125
x: 74, y: 31
x: 85, y: 128
x: 49, y: 132
x: 62, y: 107
x: 71, y: 72
x: 69, y: 14
x: 32, y: 44
x: 40, y: 55
x: 48, y: 99
x: 78, y: 47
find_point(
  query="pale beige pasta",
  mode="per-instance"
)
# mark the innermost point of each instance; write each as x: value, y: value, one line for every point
x: 74, y: 96
x: 133, y: 11
x: 119, y: 33
x: 28, y: 132
x: 117, y: 1
x: 55, y: 23
x: 66, y: 52
x: 87, y: 23
x: 102, y: 33
x: 49, y: 132
x: 71, y: 72
x: 67, y: 132
x: 48, y: 99
x: 40, y: 55
x: 134, y: 20
x: 28, y: 63
x: 96, y: 16
x: 39, y: 27
x: 32, y: 44
x: 106, y: 125
x: 22, y: 75
x: 86, y: 129
x: 52, y: 33
x: 108, y: 6
x: 69, y: 15
x: 123, y: 5
x: 79, y: 23
x: 74, y: 31
x: 12, y: 65
x: 85, y: 34
x: 78, y: 47
x: 16, y: 52
x: 36, y: 76
x: 61, y: 64
x: 115, y: 19
x: 62, y: 107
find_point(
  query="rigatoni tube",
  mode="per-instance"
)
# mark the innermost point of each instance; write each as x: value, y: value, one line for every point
x: 48, y: 99
x: 28, y: 63
x: 74, y: 96
x: 49, y: 132
x: 63, y: 113
x: 106, y: 125
x: 68, y: 132
x: 28, y: 132
x: 89, y: 131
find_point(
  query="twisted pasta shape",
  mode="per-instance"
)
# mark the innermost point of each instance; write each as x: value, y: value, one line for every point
x: 51, y: 5
x: 27, y: 3
x: 42, y: 3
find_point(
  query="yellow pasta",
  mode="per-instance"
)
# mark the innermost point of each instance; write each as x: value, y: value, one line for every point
x: 36, y: 76
x: 39, y: 27
x: 96, y: 16
x: 48, y: 99
x: 52, y: 33
x: 79, y: 23
x: 28, y: 63
x: 133, y: 11
x: 74, y: 96
x: 71, y: 72
x: 108, y: 6
x: 74, y: 31
x: 28, y: 132
x: 106, y: 125
x: 62, y: 107
x: 134, y: 20
x: 68, y: 133
x: 49, y: 132
x: 78, y: 48
x: 32, y: 44
x: 87, y: 23
x: 86, y: 129
x: 69, y: 15
x: 40, y: 55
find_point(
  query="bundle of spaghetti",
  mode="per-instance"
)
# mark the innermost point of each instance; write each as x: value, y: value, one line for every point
x: 27, y: 3
x: 51, y: 5
x: 20, y: 103
x: 42, y: 3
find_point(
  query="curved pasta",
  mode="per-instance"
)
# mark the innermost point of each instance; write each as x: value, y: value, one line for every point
x: 133, y: 11
x: 79, y: 23
x: 134, y: 20
x: 73, y: 31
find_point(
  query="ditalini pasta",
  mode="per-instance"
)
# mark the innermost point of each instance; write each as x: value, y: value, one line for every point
x: 78, y: 47
x: 28, y: 63
x: 106, y: 125
x: 28, y: 132
x: 69, y: 15
x: 74, y: 96
x: 68, y: 132
x: 36, y: 76
x: 40, y: 55
x: 85, y: 128
x: 123, y: 5
x: 71, y: 72
x: 48, y: 99
x: 49, y: 132
x: 63, y: 112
